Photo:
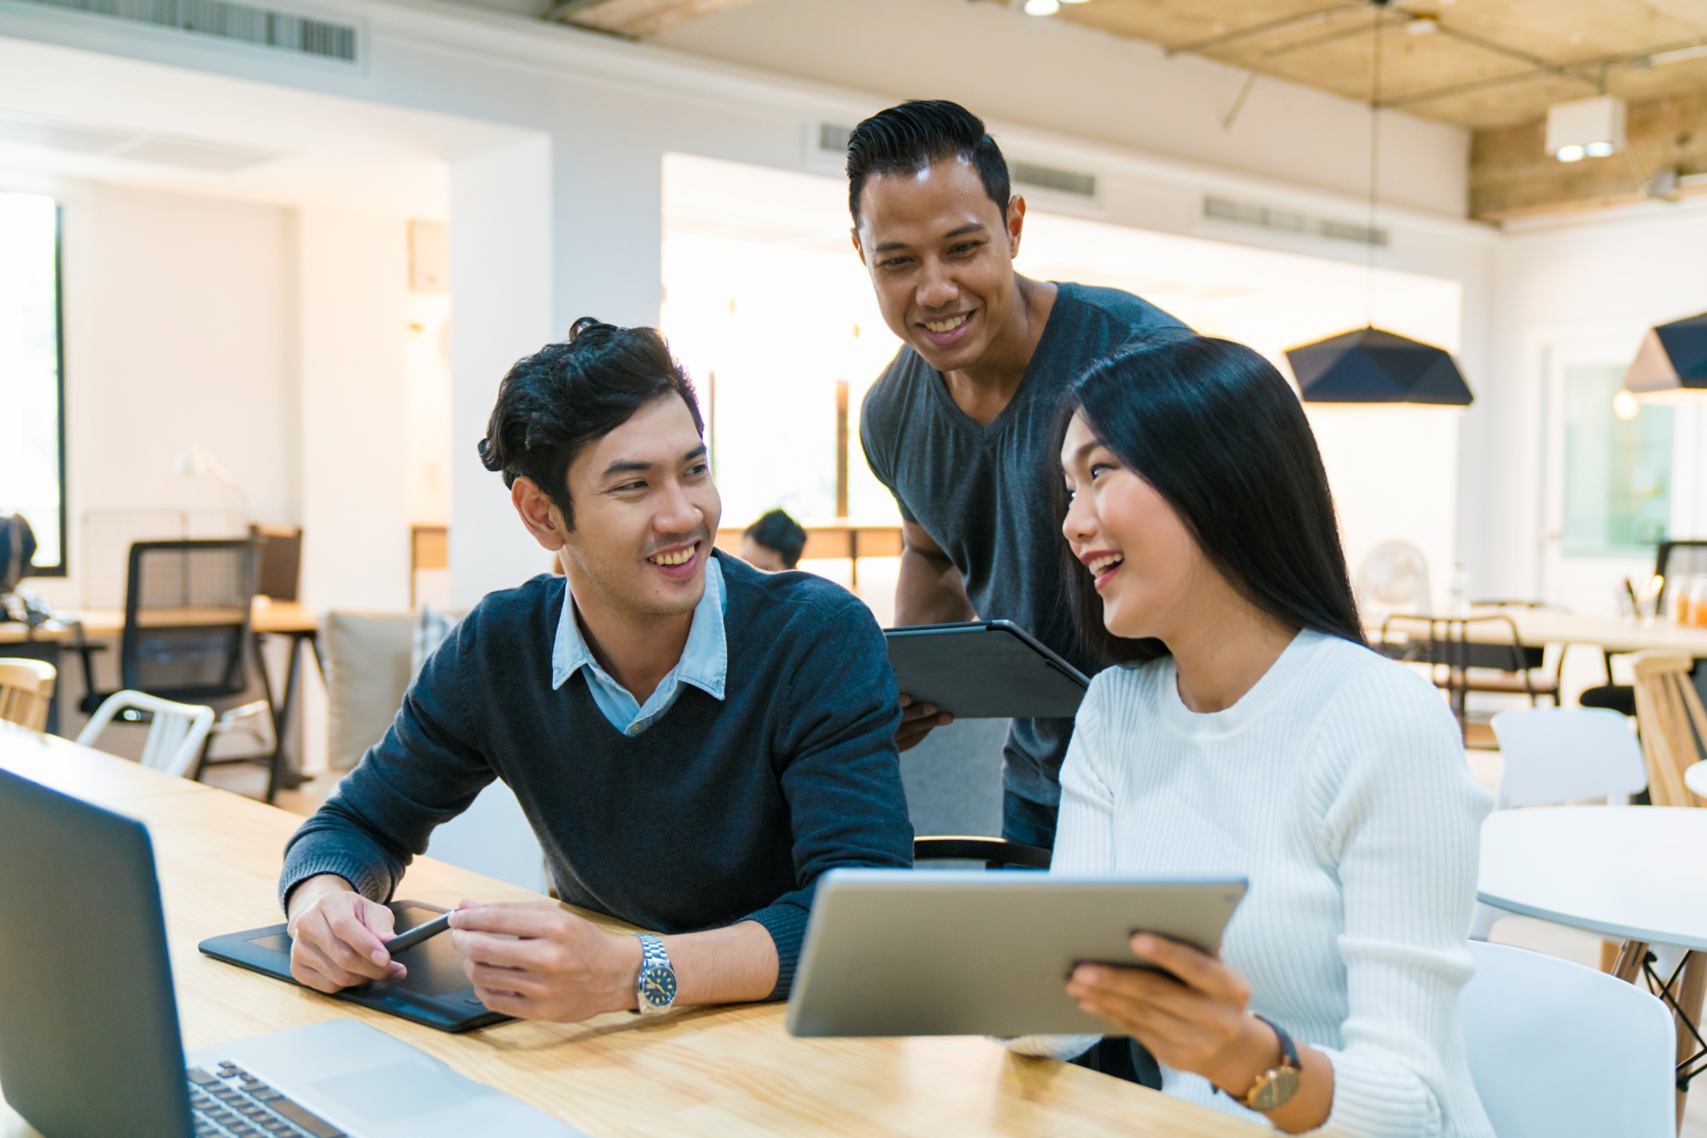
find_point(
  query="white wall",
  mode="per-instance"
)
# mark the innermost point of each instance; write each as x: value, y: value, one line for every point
x: 178, y: 333
x: 605, y: 113
x: 1054, y: 77
x: 350, y: 279
x: 1606, y: 279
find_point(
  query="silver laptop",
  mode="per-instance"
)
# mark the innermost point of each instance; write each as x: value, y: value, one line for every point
x: 89, y: 1041
x: 975, y: 952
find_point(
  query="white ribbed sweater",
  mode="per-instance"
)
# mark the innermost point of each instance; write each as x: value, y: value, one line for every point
x: 1338, y: 786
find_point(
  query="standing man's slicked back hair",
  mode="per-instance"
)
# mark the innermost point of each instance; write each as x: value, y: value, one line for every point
x: 569, y: 395
x: 920, y: 133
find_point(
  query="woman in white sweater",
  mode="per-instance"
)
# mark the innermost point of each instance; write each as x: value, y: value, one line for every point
x: 1250, y: 731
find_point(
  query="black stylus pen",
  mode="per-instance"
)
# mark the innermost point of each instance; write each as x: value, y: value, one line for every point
x: 409, y: 938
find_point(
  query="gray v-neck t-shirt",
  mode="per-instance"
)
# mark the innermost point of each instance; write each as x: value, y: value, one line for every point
x: 983, y: 492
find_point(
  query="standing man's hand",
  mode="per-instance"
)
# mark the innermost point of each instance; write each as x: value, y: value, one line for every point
x: 536, y: 960
x: 337, y: 936
x: 917, y: 721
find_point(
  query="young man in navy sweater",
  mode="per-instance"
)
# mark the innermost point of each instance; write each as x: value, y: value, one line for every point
x: 694, y: 742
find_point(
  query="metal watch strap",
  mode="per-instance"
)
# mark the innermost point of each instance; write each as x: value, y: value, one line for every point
x: 652, y: 955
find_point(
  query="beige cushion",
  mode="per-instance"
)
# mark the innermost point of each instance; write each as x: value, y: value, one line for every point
x: 367, y: 666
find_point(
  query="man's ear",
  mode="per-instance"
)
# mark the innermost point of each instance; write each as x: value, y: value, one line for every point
x: 853, y: 235
x: 1016, y: 223
x: 544, y: 521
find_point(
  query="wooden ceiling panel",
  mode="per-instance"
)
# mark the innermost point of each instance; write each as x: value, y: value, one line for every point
x: 1473, y: 46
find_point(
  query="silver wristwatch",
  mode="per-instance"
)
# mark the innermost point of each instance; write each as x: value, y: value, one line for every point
x: 655, y: 987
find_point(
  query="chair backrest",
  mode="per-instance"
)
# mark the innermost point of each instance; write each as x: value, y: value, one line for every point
x: 1673, y: 724
x: 186, y: 620
x: 1486, y: 640
x: 1562, y: 1051
x: 1552, y: 755
x: 176, y: 731
x: 26, y: 692
x: 1676, y: 560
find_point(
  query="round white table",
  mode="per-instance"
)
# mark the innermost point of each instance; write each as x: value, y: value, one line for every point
x: 1627, y: 872
x: 1633, y: 873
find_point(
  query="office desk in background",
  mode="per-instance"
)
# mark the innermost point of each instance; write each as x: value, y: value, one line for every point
x: 296, y: 621
x: 709, y: 1072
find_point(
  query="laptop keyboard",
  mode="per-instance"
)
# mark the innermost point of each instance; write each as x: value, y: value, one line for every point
x: 229, y: 1102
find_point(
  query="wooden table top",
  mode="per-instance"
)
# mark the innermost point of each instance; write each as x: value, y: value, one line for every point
x: 716, y: 1071
x: 1537, y: 628
x: 268, y: 616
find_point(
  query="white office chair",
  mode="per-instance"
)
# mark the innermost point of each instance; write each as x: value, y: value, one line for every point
x: 1562, y: 1051
x: 176, y: 735
x: 1551, y: 755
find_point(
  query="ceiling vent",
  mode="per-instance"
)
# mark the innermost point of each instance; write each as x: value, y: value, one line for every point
x: 833, y: 140
x: 243, y: 23
x: 1291, y: 221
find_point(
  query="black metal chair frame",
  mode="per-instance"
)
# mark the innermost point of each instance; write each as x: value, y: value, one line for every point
x: 995, y: 853
x: 1449, y: 653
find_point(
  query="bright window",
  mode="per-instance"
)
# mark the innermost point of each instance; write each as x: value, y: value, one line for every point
x: 1617, y: 467
x: 32, y: 410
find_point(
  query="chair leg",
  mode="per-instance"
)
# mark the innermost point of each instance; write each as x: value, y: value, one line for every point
x: 201, y: 758
x: 1690, y: 989
x: 1482, y: 921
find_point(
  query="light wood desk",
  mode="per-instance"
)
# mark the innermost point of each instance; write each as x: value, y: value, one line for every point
x: 1538, y: 628
x: 723, y: 1071
x: 283, y: 618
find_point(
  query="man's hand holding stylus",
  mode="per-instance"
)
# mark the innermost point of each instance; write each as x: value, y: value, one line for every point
x: 338, y: 936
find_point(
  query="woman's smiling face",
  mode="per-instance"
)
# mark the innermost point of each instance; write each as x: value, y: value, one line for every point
x: 1129, y: 538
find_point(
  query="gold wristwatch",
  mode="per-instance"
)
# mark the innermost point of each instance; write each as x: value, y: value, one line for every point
x: 1275, y: 1086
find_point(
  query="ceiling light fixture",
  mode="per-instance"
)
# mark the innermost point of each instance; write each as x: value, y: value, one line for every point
x: 1042, y: 7
x: 1585, y: 128
x: 1678, y: 55
x: 1672, y: 359
x: 1370, y: 364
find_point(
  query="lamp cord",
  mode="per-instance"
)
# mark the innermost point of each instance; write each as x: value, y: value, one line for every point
x: 1376, y: 7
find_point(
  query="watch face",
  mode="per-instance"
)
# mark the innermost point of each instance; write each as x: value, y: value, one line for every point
x: 1274, y: 1089
x: 657, y: 986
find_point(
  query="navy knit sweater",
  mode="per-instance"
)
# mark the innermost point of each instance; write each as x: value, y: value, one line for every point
x: 721, y: 811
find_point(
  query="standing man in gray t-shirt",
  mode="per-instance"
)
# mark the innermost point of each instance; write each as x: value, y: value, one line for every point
x: 961, y: 425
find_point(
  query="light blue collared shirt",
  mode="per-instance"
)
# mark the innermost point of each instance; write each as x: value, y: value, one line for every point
x: 704, y: 662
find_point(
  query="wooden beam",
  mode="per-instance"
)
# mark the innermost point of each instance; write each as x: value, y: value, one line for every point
x: 1512, y: 175
x: 636, y: 19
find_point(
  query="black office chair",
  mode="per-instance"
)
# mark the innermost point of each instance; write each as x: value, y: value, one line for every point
x: 995, y: 853
x: 1673, y: 561
x: 186, y: 631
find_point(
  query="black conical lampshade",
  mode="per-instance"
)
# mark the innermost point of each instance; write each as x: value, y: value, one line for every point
x: 1372, y: 365
x: 1673, y: 357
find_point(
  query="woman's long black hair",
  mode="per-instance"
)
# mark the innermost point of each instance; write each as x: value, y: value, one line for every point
x: 1218, y: 433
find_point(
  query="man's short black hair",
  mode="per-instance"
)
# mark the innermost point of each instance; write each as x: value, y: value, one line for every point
x: 917, y: 134
x: 568, y: 395
x: 777, y: 531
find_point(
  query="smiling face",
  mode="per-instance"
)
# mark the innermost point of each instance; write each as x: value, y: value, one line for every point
x: 941, y: 260
x: 1148, y: 568
x: 645, y: 513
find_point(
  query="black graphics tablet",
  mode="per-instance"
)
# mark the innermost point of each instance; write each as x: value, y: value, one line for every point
x: 984, y: 670
x: 435, y: 993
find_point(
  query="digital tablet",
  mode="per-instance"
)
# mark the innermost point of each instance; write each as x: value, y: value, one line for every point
x: 991, y: 669
x: 976, y: 952
x: 435, y: 993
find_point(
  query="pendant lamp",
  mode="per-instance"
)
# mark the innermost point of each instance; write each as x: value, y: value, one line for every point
x: 1672, y: 359
x: 1370, y: 364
